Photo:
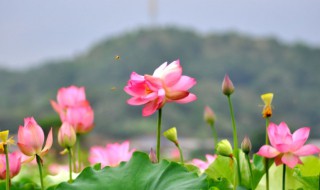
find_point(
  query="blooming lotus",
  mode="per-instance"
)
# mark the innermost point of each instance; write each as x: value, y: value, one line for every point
x: 69, y: 97
x: 81, y: 118
x: 31, y: 139
x: 167, y: 84
x: 203, y: 165
x: 285, y: 147
x: 111, y: 155
x: 15, y: 164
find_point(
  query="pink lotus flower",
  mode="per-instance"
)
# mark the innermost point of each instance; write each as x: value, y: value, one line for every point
x: 73, y: 108
x: 66, y: 135
x: 81, y: 118
x: 111, y: 155
x: 69, y: 97
x: 167, y: 84
x: 203, y: 165
x: 285, y: 147
x: 31, y: 139
x: 14, y: 164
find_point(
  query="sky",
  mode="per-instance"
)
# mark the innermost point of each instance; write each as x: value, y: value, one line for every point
x: 35, y: 31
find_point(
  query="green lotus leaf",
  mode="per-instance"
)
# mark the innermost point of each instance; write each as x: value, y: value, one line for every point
x: 138, y: 173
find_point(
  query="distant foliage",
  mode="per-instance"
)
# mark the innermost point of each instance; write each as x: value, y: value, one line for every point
x: 257, y: 65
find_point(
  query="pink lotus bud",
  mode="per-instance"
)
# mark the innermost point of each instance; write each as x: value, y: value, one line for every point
x: 66, y: 135
x: 31, y: 139
x: 209, y: 116
x: 15, y: 164
x: 227, y: 86
x: 153, y: 156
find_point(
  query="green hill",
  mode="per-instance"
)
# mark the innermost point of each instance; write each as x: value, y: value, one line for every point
x: 255, y: 65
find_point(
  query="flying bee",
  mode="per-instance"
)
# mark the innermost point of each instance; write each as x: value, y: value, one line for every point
x: 117, y: 57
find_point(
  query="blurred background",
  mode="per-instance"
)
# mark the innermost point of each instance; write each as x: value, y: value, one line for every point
x: 264, y: 46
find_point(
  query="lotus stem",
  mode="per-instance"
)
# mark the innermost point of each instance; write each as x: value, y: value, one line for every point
x: 70, y: 164
x: 266, y: 159
x: 284, y: 177
x: 250, y: 170
x: 214, y: 134
x: 235, y: 138
x: 159, y: 134
x: 5, y: 147
x: 39, y: 162
x: 181, y: 154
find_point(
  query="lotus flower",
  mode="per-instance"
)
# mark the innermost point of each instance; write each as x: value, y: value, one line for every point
x: 69, y: 97
x: 81, y: 118
x: 15, y: 164
x: 73, y: 108
x: 111, y: 155
x: 167, y: 84
x: 203, y: 165
x: 31, y: 139
x: 66, y: 135
x: 285, y: 147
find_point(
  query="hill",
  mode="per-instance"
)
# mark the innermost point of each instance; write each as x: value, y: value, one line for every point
x: 255, y: 65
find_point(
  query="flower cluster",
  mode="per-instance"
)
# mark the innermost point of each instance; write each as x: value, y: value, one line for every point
x: 167, y: 84
x: 73, y: 108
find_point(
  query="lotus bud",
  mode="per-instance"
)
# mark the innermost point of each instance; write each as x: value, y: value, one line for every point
x: 227, y: 86
x: 224, y: 148
x: 246, y: 145
x: 209, y: 116
x: 267, y: 109
x: 171, y: 135
x: 152, y: 156
x: 66, y: 135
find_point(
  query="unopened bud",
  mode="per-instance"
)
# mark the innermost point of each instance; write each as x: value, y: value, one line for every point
x: 171, y: 135
x: 209, y: 116
x: 224, y: 148
x: 246, y: 145
x: 227, y: 86
x: 153, y: 157
x: 66, y: 135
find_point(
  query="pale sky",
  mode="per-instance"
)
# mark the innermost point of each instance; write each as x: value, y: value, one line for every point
x: 34, y: 31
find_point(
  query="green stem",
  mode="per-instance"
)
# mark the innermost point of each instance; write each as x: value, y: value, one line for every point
x: 78, y: 153
x: 181, y: 155
x: 267, y: 124
x: 74, y: 159
x: 39, y: 162
x: 284, y: 177
x: 266, y: 159
x: 235, y: 175
x: 70, y: 164
x: 215, y: 135
x: 235, y: 138
x: 159, y: 134
x: 250, y: 170
x: 5, y: 147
